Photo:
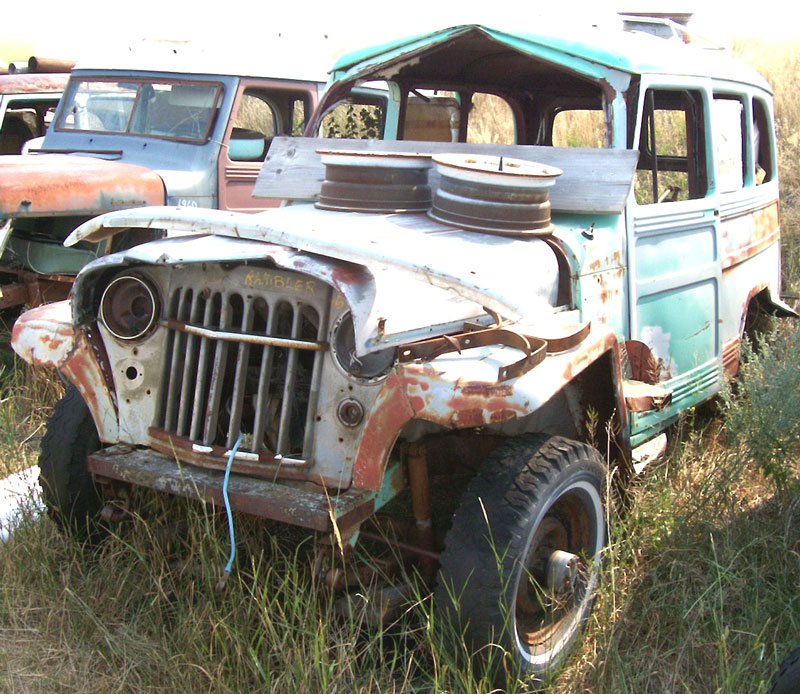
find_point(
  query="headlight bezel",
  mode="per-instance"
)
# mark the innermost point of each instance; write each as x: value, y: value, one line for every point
x: 133, y: 297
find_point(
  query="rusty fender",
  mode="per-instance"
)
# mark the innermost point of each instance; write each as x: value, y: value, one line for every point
x: 45, y: 336
x: 461, y: 392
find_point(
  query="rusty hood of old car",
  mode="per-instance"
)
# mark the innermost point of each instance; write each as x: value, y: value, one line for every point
x: 73, y: 184
x: 405, y: 276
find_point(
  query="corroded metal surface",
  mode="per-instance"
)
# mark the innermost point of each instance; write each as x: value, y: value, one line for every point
x: 32, y: 289
x: 27, y: 83
x: 258, y: 497
x: 644, y: 397
x: 746, y: 234
x: 374, y: 182
x: 45, y: 336
x: 459, y: 391
x: 59, y: 184
x: 533, y: 349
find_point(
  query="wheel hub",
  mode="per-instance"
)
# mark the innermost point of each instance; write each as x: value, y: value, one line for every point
x: 562, y: 574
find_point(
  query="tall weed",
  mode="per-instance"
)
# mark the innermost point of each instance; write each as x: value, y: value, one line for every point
x: 761, y: 407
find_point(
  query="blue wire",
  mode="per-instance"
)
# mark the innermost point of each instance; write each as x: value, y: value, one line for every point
x: 229, y: 565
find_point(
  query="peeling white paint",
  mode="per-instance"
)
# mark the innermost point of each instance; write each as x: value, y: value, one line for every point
x: 658, y: 341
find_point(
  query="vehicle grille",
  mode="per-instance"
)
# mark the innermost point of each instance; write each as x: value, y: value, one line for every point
x: 245, y: 363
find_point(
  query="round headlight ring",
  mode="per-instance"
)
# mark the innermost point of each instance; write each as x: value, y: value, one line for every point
x: 370, y: 367
x: 129, y: 307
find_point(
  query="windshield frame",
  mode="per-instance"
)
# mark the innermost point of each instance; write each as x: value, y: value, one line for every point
x: 74, y: 88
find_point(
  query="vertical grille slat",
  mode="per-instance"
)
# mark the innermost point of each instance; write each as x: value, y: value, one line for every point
x: 201, y: 385
x: 263, y: 385
x: 189, y: 370
x: 217, y: 377
x: 289, y: 387
x: 240, y: 378
x: 173, y: 380
x: 262, y: 395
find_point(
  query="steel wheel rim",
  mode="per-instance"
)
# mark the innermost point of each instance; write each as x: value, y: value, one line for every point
x: 543, y: 621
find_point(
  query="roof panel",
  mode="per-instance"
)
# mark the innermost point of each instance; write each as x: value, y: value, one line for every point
x: 590, y: 51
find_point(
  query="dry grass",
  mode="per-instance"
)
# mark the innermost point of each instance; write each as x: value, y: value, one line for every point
x: 779, y: 63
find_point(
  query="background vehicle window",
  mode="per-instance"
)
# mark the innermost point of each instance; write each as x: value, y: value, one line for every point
x: 161, y: 109
x: 299, y: 117
x: 254, y: 126
x: 728, y: 134
x: 579, y: 128
x: 491, y: 120
x: 353, y: 120
x: 672, y: 162
x: 255, y: 114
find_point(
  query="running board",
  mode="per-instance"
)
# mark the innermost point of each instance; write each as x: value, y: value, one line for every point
x: 258, y: 497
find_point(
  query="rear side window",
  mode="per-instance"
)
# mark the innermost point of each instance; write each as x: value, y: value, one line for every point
x: 764, y: 154
x: 727, y: 125
x: 491, y: 121
x: 579, y: 128
x: 254, y: 126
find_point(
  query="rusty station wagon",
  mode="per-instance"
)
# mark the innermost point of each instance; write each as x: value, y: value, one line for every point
x: 166, y: 123
x: 506, y: 321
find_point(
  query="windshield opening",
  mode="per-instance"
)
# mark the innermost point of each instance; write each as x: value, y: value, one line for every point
x: 174, y: 110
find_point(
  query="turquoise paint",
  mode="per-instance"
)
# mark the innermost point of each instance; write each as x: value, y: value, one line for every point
x: 591, y: 51
x: 692, y: 388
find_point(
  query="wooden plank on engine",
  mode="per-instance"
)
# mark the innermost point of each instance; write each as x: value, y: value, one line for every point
x: 595, y: 181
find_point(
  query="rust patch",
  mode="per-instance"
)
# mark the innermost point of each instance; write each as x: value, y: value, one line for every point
x: 763, y: 230
x: 349, y: 274
x: 390, y: 413
x: 643, y: 363
x: 502, y: 415
x: 417, y: 403
x: 74, y: 185
x: 487, y: 390
x: 33, y: 83
x: 730, y: 357
x: 467, y: 418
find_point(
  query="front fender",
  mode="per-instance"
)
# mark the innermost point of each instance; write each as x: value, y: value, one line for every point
x: 45, y: 336
x: 461, y: 391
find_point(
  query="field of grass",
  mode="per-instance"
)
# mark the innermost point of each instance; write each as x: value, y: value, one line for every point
x: 701, y: 591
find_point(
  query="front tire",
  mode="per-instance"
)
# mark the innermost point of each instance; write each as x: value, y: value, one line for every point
x: 70, y: 494
x: 522, y: 558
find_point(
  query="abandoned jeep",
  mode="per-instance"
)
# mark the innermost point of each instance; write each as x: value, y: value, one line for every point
x: 507, y: 321
x: 166, y: 123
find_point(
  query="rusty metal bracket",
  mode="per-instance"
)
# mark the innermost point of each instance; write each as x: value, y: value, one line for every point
x: 534, y: 348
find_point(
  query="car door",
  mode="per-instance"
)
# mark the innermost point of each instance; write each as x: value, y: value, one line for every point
x: 262, y: 110
x: 673, y: 245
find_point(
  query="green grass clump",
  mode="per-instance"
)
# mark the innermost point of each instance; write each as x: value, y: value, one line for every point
x: 762, y: 406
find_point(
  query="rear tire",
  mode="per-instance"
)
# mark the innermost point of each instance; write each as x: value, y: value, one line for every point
x: 70, y: 494
x: 526, y: 581
x: 787, y: 679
